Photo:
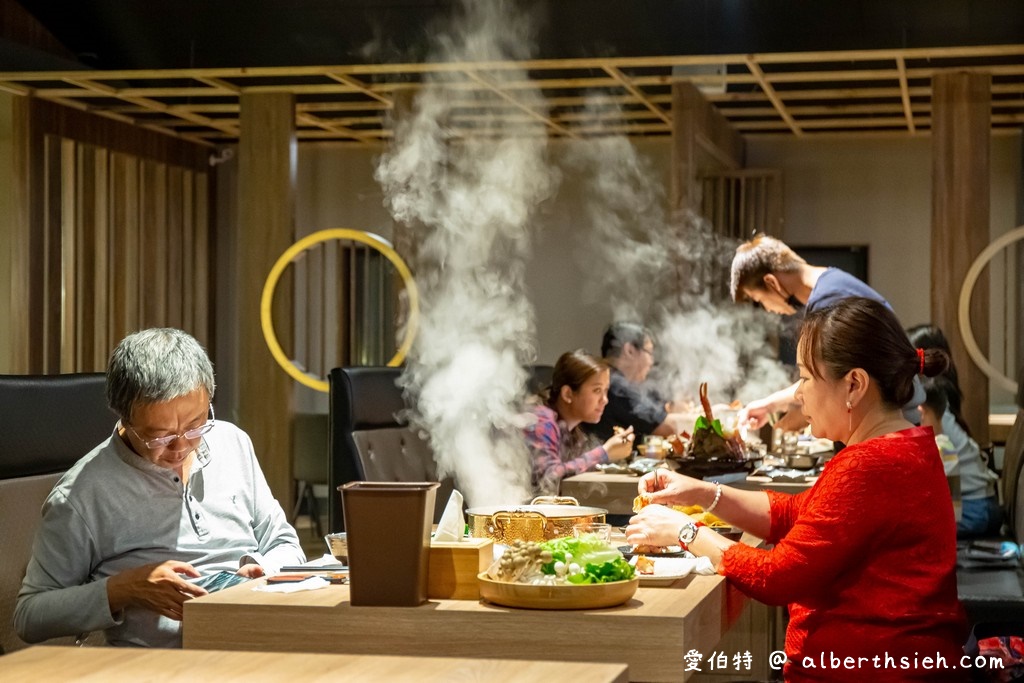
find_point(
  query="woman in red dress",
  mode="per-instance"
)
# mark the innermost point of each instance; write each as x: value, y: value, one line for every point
x: 865, y: 560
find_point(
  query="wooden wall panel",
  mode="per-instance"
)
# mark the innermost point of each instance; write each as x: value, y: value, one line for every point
x: 202, y: 256
x: 173, y: 245
x: 50, y: 255
x: 114, y: 236
x: 69, y: 263
x: 101, y: 340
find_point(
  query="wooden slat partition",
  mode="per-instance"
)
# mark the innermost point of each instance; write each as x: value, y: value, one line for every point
x: 116, y: 238
x: 738, y: 203
x: 345, y: 307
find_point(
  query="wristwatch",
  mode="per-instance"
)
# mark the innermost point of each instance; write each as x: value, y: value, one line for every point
x: 687, y: 533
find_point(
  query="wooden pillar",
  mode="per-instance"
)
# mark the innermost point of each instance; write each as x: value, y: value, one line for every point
x: 961, y: 120
x: 266, y: 214
x: 702, y: 139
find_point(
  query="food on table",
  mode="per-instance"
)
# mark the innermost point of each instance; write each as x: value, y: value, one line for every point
x: 583, y: 560
x: 678, y: 442
x: 641, y: 501
x: 698, y: 515
x: 644, y: 565
x: 709, y: 441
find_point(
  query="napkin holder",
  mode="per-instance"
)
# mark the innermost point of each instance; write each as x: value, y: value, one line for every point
x: 454, y: 565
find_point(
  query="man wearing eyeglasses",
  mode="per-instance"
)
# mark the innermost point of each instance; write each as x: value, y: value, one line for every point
x: 628, y: 348
x: 172, y: 495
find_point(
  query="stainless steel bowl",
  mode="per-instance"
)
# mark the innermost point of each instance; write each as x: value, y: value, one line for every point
x: 802, y: 462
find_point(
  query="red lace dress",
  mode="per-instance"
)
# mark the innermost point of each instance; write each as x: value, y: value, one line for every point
x: 866, y: 562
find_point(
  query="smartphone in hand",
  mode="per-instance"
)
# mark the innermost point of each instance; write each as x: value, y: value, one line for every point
x: 219, y: 581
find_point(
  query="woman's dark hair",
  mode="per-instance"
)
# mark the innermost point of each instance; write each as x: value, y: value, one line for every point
x: 931, y: 337
x: 863, y: 333
x: 936, y: 396
x: 572, y: 369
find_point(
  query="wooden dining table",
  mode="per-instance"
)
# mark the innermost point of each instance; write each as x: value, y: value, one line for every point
x: 651, y: 633
x: 54, y: 664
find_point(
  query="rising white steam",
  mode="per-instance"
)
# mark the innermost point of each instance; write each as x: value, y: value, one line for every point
x: 670, y: 273
x: 470, y: 205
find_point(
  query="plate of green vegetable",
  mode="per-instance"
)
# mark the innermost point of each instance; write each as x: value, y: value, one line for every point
x: 563, y: 573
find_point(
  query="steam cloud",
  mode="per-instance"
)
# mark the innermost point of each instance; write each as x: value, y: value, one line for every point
x: 469, y: 204
x: 670, y: 273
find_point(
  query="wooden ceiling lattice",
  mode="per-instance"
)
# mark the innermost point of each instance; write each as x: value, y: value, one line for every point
x: 862, y: 92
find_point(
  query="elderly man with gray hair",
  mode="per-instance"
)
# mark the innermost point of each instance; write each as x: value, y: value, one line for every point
x: 172, y: 495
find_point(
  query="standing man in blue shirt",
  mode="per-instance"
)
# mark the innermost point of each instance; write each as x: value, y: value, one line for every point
x: 766, y: 271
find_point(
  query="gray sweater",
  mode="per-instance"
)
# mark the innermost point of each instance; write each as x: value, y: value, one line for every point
x: 976, y: 479
x: 114, y: 510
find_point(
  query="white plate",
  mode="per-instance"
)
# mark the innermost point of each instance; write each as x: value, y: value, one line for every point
x: 668, y: 570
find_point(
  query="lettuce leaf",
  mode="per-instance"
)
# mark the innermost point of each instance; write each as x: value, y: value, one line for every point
x: 702, y: 423
x: 600, y: 562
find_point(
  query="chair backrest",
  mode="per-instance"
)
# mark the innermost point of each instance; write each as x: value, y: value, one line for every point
x: 540, y: 378
x: 52, y: 420
x: 1013, y: 469
x: 368, y: 440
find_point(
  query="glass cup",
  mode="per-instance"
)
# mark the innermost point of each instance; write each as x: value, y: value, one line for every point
x: 600, y: 529
x: 789, y: 442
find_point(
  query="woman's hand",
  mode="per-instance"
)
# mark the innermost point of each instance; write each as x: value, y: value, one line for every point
x: 672, y: 488
x: 655, y: 525
x: 620, y: 445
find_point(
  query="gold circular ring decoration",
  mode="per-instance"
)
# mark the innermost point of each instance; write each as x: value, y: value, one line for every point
x: 291, y: 253
x: 964, y: 308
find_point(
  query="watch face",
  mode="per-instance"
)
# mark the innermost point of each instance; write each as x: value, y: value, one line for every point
x: 687, y: 533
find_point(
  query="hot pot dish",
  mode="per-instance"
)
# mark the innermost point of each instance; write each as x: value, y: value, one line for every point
x: 543, y: 519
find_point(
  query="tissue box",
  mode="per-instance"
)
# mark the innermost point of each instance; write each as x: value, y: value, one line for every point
x: 454, y: 565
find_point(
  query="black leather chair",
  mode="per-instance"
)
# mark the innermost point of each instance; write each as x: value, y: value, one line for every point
x: 50, y: 421
x: 540, y: 378
x: 369, y: 440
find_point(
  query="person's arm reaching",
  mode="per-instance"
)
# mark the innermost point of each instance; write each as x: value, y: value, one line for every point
x: 755, y: 414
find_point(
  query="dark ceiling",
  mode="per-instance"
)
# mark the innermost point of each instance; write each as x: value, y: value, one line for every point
x: 153, y: 34
x: 769, y: 67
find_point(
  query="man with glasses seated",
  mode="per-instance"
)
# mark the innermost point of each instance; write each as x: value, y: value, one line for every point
x: 173, y: 494
x: 628, y: 348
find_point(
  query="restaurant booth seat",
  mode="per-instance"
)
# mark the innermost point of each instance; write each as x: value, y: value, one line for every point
x: 50, y: 421
x: 993, y: 593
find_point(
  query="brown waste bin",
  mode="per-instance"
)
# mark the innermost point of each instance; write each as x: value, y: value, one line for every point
x: 388, y: 526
